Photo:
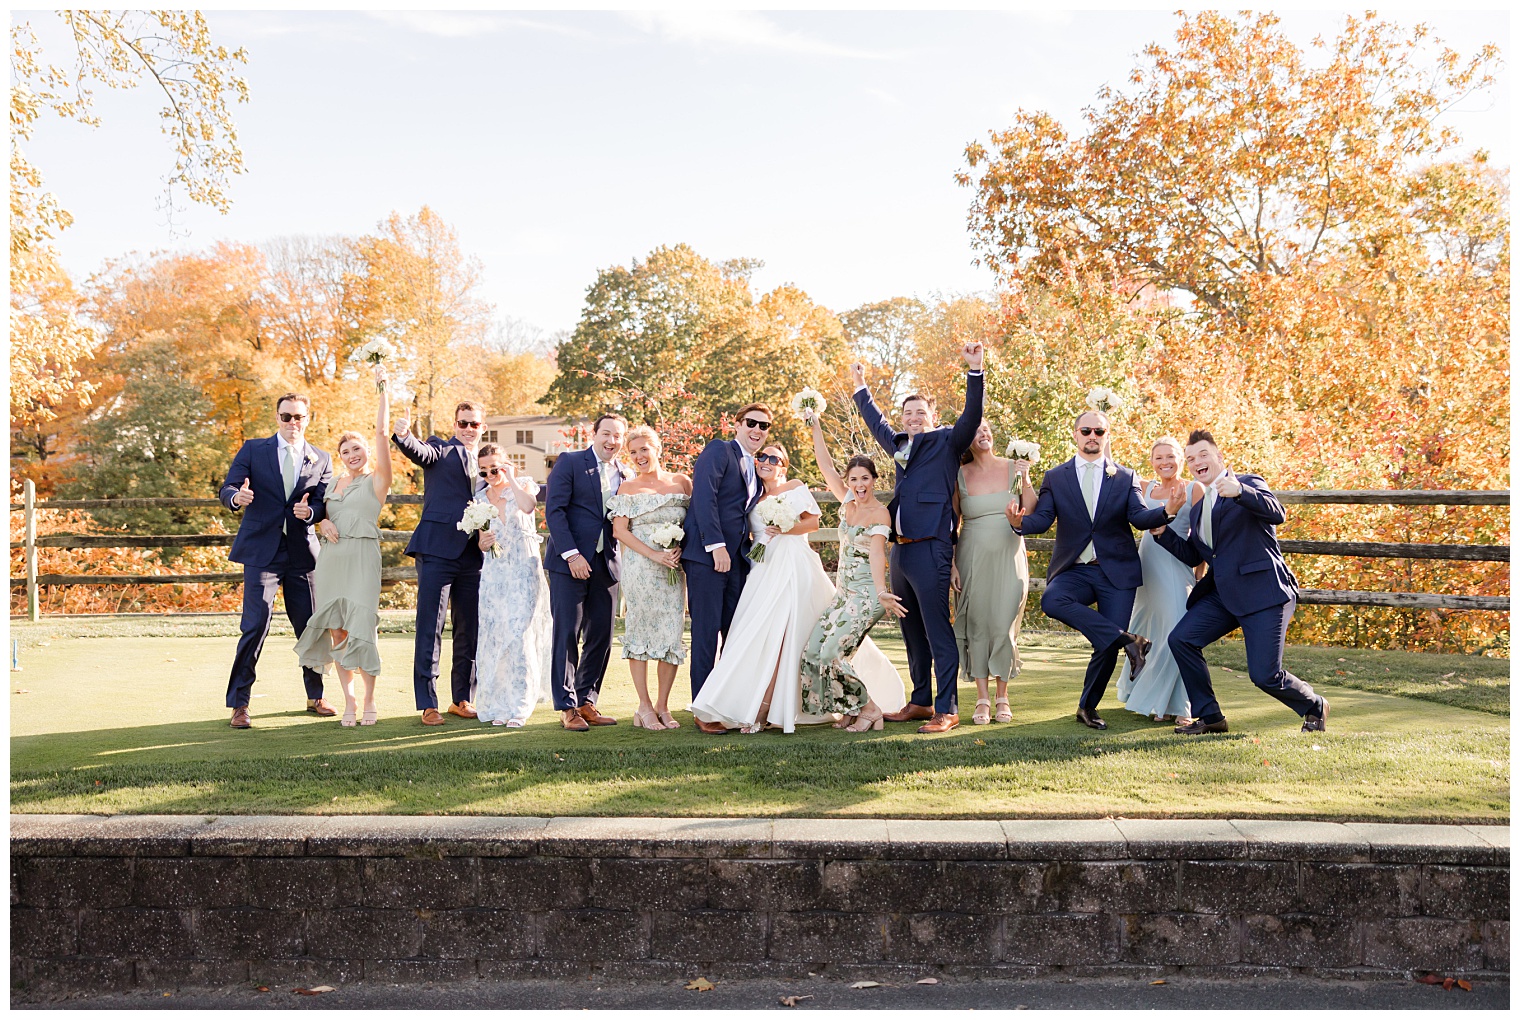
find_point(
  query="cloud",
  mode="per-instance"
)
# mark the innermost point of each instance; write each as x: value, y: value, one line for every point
x: 744, y: 29
x: 469, y: 24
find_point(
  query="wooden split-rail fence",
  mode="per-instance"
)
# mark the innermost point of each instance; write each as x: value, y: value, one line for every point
x: 34, y: 582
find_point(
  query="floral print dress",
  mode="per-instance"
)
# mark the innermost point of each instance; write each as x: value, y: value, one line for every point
x: 654, y: 628
x: 829, y: 681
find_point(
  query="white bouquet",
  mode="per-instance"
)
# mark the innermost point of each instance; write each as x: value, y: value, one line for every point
x: 809, y: 404
x: 1104, y: 400
x: 479, y: 516
x: 668, y: 536
x: 776, y: 511
x: 1023, y: 449
x: 374, y: 351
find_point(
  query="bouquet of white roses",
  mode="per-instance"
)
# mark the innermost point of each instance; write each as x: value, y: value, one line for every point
x: 479, y: 516
x: 1023, y: 449
x: 776, y: 511
x: 668, y: 536
x: 375, y: 351
x: 809, y: 404
x: 1104, y: 400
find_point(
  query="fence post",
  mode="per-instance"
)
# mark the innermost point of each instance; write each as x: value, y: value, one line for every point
x: 29, y: 542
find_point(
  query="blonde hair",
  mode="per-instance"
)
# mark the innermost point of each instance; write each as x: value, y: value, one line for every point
x: 647, y: 433
x: 354, y: 437
x: 1169, y: 441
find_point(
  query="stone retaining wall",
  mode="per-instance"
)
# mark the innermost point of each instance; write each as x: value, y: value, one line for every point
x: 164, y: 901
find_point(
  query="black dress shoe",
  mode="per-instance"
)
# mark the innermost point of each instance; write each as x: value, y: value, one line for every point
x: 1198, y: 726
x: 1090, y: 719
x: 1315, y: 723
x: 1136, y: 648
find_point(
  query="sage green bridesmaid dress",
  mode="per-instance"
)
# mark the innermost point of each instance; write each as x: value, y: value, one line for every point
x: 347, y: 581
x: 994, y: 581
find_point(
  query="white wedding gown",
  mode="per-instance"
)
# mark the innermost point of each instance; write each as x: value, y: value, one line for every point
x: 783, y: 597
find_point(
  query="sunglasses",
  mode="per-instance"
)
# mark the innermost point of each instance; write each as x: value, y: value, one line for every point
x: 1092, y: 432
x: 763, y: 426
x: 467, y: 424
x: 767, y: 458
x: 491, y: 472
x: 287, y: 416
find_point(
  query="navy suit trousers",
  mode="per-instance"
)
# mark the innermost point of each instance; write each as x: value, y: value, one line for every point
x: 259, y: 587
x: 582, y: 640
x: 921, y: 579
x: 1264, y: 632
x: 452, y: 583
x: 712, y: 598
x: 1071, y: 597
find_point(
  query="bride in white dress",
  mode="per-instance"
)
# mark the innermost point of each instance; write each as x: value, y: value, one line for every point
x: 757, y: 680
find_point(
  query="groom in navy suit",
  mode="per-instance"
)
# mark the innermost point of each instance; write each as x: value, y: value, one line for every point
x: 279, y: 482
x: 448, y: 560
x: 584, y: 566
x: 923, y: 521
x: 1234, y: 530
x: 1095, y: 562
x: 724, y: 489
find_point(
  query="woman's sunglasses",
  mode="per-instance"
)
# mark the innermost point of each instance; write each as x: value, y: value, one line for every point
x: 491, y: 472
x: 767, y: 458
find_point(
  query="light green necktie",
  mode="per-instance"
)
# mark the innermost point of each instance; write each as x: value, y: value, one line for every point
x: 1206, y: 526
x: 288, y: 470
x: 601, y: 473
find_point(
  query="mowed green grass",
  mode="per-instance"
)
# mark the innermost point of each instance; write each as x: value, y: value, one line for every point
x: 134, y: 722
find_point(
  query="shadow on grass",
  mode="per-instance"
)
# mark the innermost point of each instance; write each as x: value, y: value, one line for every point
x: 1039, y: 768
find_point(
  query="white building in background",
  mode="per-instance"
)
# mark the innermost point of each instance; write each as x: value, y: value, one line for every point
x: 531, y: 442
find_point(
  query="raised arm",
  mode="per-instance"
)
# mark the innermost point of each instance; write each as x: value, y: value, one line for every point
x: 416, y: 451
x: 383, y: 471
x: 826, y: 461
x: 1258, y: 499
x: 964, y: 430
x: 523, y: 488
x: 871, y: 413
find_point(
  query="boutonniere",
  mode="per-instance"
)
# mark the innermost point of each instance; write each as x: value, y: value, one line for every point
x: 311, y: 458
x: 1110, y: 469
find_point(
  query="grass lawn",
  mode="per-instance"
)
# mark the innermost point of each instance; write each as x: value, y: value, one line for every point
x: 127, y: 716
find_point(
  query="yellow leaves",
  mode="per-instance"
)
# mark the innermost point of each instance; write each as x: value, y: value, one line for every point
x: 700, y: 984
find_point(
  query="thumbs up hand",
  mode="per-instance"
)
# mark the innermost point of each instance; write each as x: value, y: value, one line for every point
x: 243, y: 496
x: 303, y: 509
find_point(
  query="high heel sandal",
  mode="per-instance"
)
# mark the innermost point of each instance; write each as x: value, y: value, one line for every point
x: 1004, y: 713
x: 865, y: 722
x: 982, y: 714
x: 348, y: 715
x: 667, y: 720
x: 761, y: 723
x: 371, y: 716
x: 646, y: 719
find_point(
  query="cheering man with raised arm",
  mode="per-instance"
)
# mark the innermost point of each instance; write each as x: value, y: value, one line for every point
x: 923, y: 520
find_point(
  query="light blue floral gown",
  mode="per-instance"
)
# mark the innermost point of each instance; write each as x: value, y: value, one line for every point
x: 513, y: 644
x: 655, y: 625
x: 1159, y: 604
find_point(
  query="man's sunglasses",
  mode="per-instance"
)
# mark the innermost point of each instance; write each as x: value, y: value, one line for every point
x: 763, y: 426
x: 1086, y: 431
x: 767, y: 458
x: 467, y: 424
x: 287, y: 416
x: 490, y: 472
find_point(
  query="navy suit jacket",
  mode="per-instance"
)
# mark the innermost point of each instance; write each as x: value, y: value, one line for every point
x: 1120, y: 506
x: 447, y: 488
x: 573, y: 510
x: 1246, y: 566
x: 921, y: 499
x: 720, y: 504
x: 263, y: 525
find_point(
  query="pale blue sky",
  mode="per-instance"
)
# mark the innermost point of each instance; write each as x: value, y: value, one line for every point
x: 557, y: 144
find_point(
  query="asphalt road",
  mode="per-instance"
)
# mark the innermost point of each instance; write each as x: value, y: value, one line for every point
x: 1040, y: 993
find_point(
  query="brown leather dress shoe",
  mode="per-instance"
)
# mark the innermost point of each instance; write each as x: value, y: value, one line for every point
x: 595, y: 718
x: 1198, y: 727
x: 717, y: 729
x: 571, y: 720
x: 240, y: 719
x: 463, y: 709
x: 1092, y: 720
x: 909, y: 713
x: 430, y: 717
x: 319, y: 706
x: 943, y: 722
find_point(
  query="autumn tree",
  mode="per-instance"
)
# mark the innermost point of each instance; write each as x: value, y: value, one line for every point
x: 173, y: 52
